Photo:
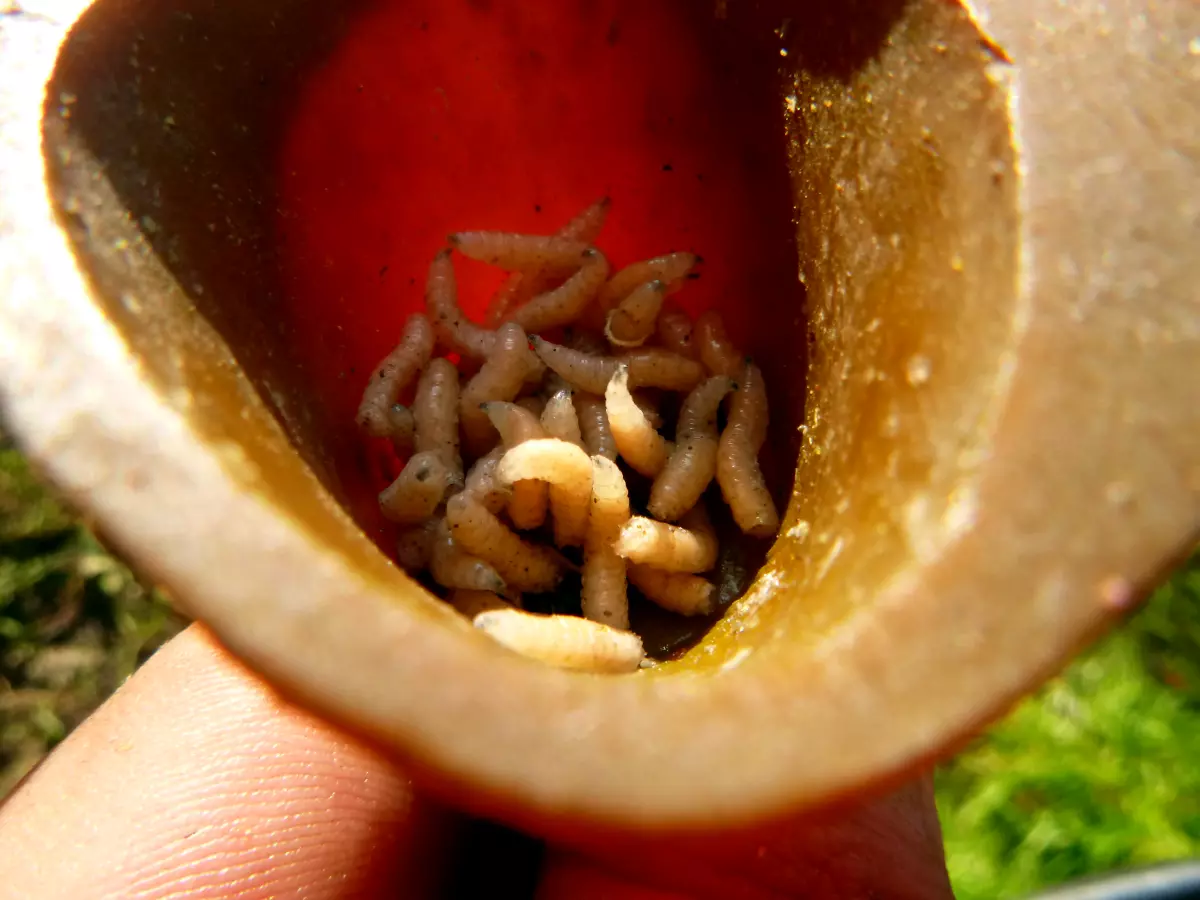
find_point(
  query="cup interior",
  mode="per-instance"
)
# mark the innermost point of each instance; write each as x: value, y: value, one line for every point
x: 256, y: 190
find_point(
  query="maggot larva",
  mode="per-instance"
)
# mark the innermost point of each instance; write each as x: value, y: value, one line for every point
x: 690, y: 546
x: 453, y: 567
x: 565, y: 303
x: 670, y: 268
x: 693, y: 463
x: 637, y: 440
x: 594, y: 426
x: 501, y: 378
x: 569, y: 416
x: 402, y: 428
x: 568, y: 470
x: 517, y: 251
x: 716, y: 350
x: 648, y: 367
x: 454, y: 330
x: 472, y: 603
x: 675, y: 331
x: 634, y: 318
x: 604, y: 595
x: 560, y: 418
x: 523, y: 565
x: 530, y: 499
x: 393, y: 374
x: 435, y: 413
x: 482, y: 484
x: 682, y: 593
x: 738, y: 472
x: 521, y: 286
x: 419, y: 488
x: 568, y: 642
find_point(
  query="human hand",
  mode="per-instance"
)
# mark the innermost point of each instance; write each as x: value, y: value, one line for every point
x: 197, y: 781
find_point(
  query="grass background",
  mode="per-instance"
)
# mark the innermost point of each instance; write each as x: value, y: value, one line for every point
x: 1095, y: 772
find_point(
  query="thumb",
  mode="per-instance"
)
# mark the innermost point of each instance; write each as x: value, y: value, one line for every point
x: 196, y: 781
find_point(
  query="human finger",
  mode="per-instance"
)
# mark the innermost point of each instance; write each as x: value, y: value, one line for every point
x: 888, y: 848
x: 196, y: 780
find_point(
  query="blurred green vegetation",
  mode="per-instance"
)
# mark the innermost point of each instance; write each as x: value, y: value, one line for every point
x: 1093, y: 773
x: 1096, y: 772
x: 74, y: 622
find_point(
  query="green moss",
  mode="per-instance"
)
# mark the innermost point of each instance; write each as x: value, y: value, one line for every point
x: 74, y: 622
x: 1093, y: 773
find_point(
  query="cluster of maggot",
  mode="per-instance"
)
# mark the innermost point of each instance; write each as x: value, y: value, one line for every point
x: 548, y: 427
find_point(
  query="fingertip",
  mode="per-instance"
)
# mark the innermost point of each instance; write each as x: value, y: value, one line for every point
x: 197, y: 773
